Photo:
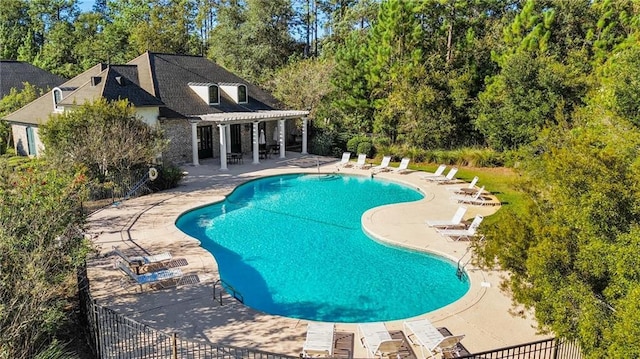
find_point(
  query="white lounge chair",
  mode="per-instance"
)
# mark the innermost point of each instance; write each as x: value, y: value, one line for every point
x: 319, y: 339
x: 344, y: 162
x: 455, y: 221
x: 469, y: 190
x: 422, y: 333
x: 376, y: 339
x: 449, y: 178
x: 458, y: 234
x: 477, y: 199
x: 362, y: 161
x: 160, y: 277
x: 403, y: 166
x: 437, y: 173
x: 383, y: 166
x: 140, y: 261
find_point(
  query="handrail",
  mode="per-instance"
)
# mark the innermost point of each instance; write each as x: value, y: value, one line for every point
x: 232, y: 291
x: 460, y: 269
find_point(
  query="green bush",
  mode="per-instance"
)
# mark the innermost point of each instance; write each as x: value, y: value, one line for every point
x: 366, y: 148
x: 323, y: 143
x: 168, y: 177
x: 354, y: 142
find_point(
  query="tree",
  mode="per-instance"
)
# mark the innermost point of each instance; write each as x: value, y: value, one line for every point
x: 169, y: 29
x: 304, y: 84
x: 106, y: 138
x: 41, y: 245
x: 252, y: 41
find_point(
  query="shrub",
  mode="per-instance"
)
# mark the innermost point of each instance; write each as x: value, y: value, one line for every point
x: 168, y: 177
x: 323, y: 143
x: 366, y: 148
x: 354, y: 142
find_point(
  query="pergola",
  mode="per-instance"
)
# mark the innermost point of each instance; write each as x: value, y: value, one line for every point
x: 223, y: 120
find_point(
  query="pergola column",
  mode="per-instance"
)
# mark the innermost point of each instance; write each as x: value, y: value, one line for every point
x: 281, y: 140
x: 223, y: 146
x: 304, y: 135
x: 256, y: 149
x: 194, y: 142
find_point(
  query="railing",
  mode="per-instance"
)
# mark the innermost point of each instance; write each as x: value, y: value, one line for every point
x: 234, y: 293
x: 112, y: 335
x: 553, y: 348
x: 120, y: 186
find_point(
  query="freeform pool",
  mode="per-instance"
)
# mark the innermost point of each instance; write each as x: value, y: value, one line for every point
x: 293, y: 245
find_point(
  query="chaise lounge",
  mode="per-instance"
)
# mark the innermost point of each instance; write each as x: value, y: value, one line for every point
x: 319, y: 339
x: 455, y: 221
x: 377, y: 340
x: 160, y: 277
x: 466, y: 234
x: 140, y: 261
x: 422, y: 333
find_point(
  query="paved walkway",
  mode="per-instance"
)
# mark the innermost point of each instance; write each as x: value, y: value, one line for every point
x: 146, y: 225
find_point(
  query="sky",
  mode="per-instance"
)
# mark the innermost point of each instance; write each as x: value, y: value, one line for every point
x: 86, y: 5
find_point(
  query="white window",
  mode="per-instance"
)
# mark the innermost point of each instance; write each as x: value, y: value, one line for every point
x: 214, y: 95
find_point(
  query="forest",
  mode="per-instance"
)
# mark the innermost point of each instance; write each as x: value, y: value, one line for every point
x: 548, y: 88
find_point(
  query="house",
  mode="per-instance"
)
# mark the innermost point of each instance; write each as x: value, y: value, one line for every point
x: 194, y: 101
x: 14, y: 74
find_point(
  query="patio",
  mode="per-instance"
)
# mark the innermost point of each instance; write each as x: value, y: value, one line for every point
x: 146, y: 225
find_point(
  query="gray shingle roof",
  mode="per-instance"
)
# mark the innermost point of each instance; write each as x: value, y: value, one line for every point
x: 14, y: 73
x: 152, y: 79
x: 169, y: 77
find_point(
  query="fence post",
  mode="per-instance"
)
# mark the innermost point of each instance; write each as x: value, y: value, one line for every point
x: 96, y: 328
x: 556, y: 348
x: 174, y: 346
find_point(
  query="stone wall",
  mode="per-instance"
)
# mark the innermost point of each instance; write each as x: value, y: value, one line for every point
x: 178, y: 132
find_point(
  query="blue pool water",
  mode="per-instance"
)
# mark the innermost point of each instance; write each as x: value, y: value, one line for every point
x: 293, y: 245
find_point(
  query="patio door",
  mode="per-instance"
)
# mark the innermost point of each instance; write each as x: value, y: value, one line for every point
x: 236, y: 139
x: 205, y: 141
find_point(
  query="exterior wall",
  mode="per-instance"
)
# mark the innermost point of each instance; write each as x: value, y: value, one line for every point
x: 178, y: 132
x: 148, y: 114
x: 20, y: 141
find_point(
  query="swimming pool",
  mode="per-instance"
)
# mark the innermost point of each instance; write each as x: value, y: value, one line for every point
x: 293, y: 245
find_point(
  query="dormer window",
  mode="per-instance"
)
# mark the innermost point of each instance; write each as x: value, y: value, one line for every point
x: 57, y: 98
x: 236, y: 91
x: 209, y: 92
x: 242, y: 94
x: 214, y: 95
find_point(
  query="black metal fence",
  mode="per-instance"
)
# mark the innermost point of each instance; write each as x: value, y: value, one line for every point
x: 112, y: 335
x: 552, y: 348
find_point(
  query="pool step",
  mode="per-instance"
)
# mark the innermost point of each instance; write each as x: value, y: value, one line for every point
x: 327, y: 177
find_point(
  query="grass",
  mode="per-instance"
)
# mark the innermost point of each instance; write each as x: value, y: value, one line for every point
x: 500, y: 181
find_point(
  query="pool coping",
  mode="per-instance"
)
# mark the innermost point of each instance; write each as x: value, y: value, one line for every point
x: 148, y: 224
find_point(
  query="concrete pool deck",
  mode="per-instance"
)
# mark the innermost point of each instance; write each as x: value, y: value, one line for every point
x: 145, y: 225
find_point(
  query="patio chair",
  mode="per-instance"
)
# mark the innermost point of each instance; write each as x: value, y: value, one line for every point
x: 466, y: 234
x: 160, y: 277
x: 361, y: 163
x: 141, y: 261
x: 437, y: 173
x: 319, y: 339
x: 477, y: 199
x: 403, y: 166
x: 422, y: 333
x: 449, y: 178
x: 455, y: 221
x: 383, y: 166
x: 469, y: 190
x: 376, y: 339
x: 344, y: 162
